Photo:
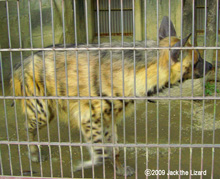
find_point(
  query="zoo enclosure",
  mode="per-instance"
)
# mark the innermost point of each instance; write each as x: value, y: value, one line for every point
x: 139, y: 29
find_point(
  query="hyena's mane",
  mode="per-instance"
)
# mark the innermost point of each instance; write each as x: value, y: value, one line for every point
x: 127, y: 55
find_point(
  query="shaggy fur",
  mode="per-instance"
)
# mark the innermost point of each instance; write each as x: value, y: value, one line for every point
x: 95, y: 113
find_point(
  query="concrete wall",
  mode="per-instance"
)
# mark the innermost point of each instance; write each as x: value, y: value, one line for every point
x: 151, y: 25
x: 163, y: 10
x: 35, y: 23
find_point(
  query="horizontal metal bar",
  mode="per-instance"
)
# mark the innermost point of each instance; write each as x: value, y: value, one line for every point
x: 110, y: 144
x: 114, y: 98
x: 115, y: 34
x: 25, y: 177
x: 116, y: 9
x: 105, y: 48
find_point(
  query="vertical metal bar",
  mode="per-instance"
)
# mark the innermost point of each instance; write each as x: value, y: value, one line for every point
x: 78, y: 92
x: 56, y: 93
x: 67, y: 91
x: 133, y: 21
x: 31, y: 43
x: 15, y: 110
x: 193, y: 44
x: 2, y: 171
x: 6, y: 120
x: 98, y: 27
x: 89, y: 87
x: 216, y: 73
x: 213, y: 161
x: 45, y: 91
x: 109, y: 23
x: 100, y: 86
x: 87, y: 43
x: 112, y: 103
x: 169, y: 88
x: 123, y: 77
x: 123, y: 87
x: 157, y: 85
x: 146, y: 103
x: 181, y: 72
x: 122, y: 31
x: 19, y: 33
x: 113, y: 25
x: 203, y: 102
x: 32, y: 55
x: 55, y: 76
x: 2, y: 80
x: 135, y: 119
x: 41, y: 27
x: 135, y: 139
x: 190, y: 167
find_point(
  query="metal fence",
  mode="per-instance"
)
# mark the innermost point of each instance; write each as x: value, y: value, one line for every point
x: 200, y: 14
x: 115, y: 18
x: 167, y: 137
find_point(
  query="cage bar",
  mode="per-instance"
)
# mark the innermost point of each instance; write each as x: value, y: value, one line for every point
x: 116, y: 20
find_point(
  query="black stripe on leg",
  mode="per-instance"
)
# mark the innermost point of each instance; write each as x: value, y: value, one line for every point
x: 106, y: 133
x: 29, y: 106
x: 106, y: 100
x: 98, y: 141
x: 39, y: 103
x: 98, y: 151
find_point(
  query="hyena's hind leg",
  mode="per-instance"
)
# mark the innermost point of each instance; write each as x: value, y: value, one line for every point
x: 38, y: 114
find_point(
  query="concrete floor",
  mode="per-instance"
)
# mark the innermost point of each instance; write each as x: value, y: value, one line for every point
x: 156, y: 118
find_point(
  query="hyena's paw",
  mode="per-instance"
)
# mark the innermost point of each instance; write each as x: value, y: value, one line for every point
x: 35, y: 154
x: 35, y: 157
x: 86, y: 164
x: 121, y: 171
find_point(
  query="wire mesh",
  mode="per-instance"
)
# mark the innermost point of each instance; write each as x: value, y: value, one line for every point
x: 154, y: 142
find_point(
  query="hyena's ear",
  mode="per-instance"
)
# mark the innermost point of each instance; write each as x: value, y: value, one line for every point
x: 175, y: 53
x: 164, y: 28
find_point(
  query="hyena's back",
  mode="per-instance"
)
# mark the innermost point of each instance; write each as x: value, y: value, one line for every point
x: 43, y: 79
x: 74, y: 68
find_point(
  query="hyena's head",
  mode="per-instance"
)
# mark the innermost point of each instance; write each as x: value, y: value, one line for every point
x: 187, y: 55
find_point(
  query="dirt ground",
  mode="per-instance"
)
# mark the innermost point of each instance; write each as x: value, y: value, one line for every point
x: 193, y: 120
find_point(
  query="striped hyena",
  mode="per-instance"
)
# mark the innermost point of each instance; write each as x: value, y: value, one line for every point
x: 56, y: 77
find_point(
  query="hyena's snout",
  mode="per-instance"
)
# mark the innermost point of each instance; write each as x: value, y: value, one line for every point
x: 208, y: 67
x: 199, y: 68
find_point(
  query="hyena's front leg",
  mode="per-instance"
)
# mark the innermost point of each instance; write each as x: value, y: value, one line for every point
x: 92, y: 132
